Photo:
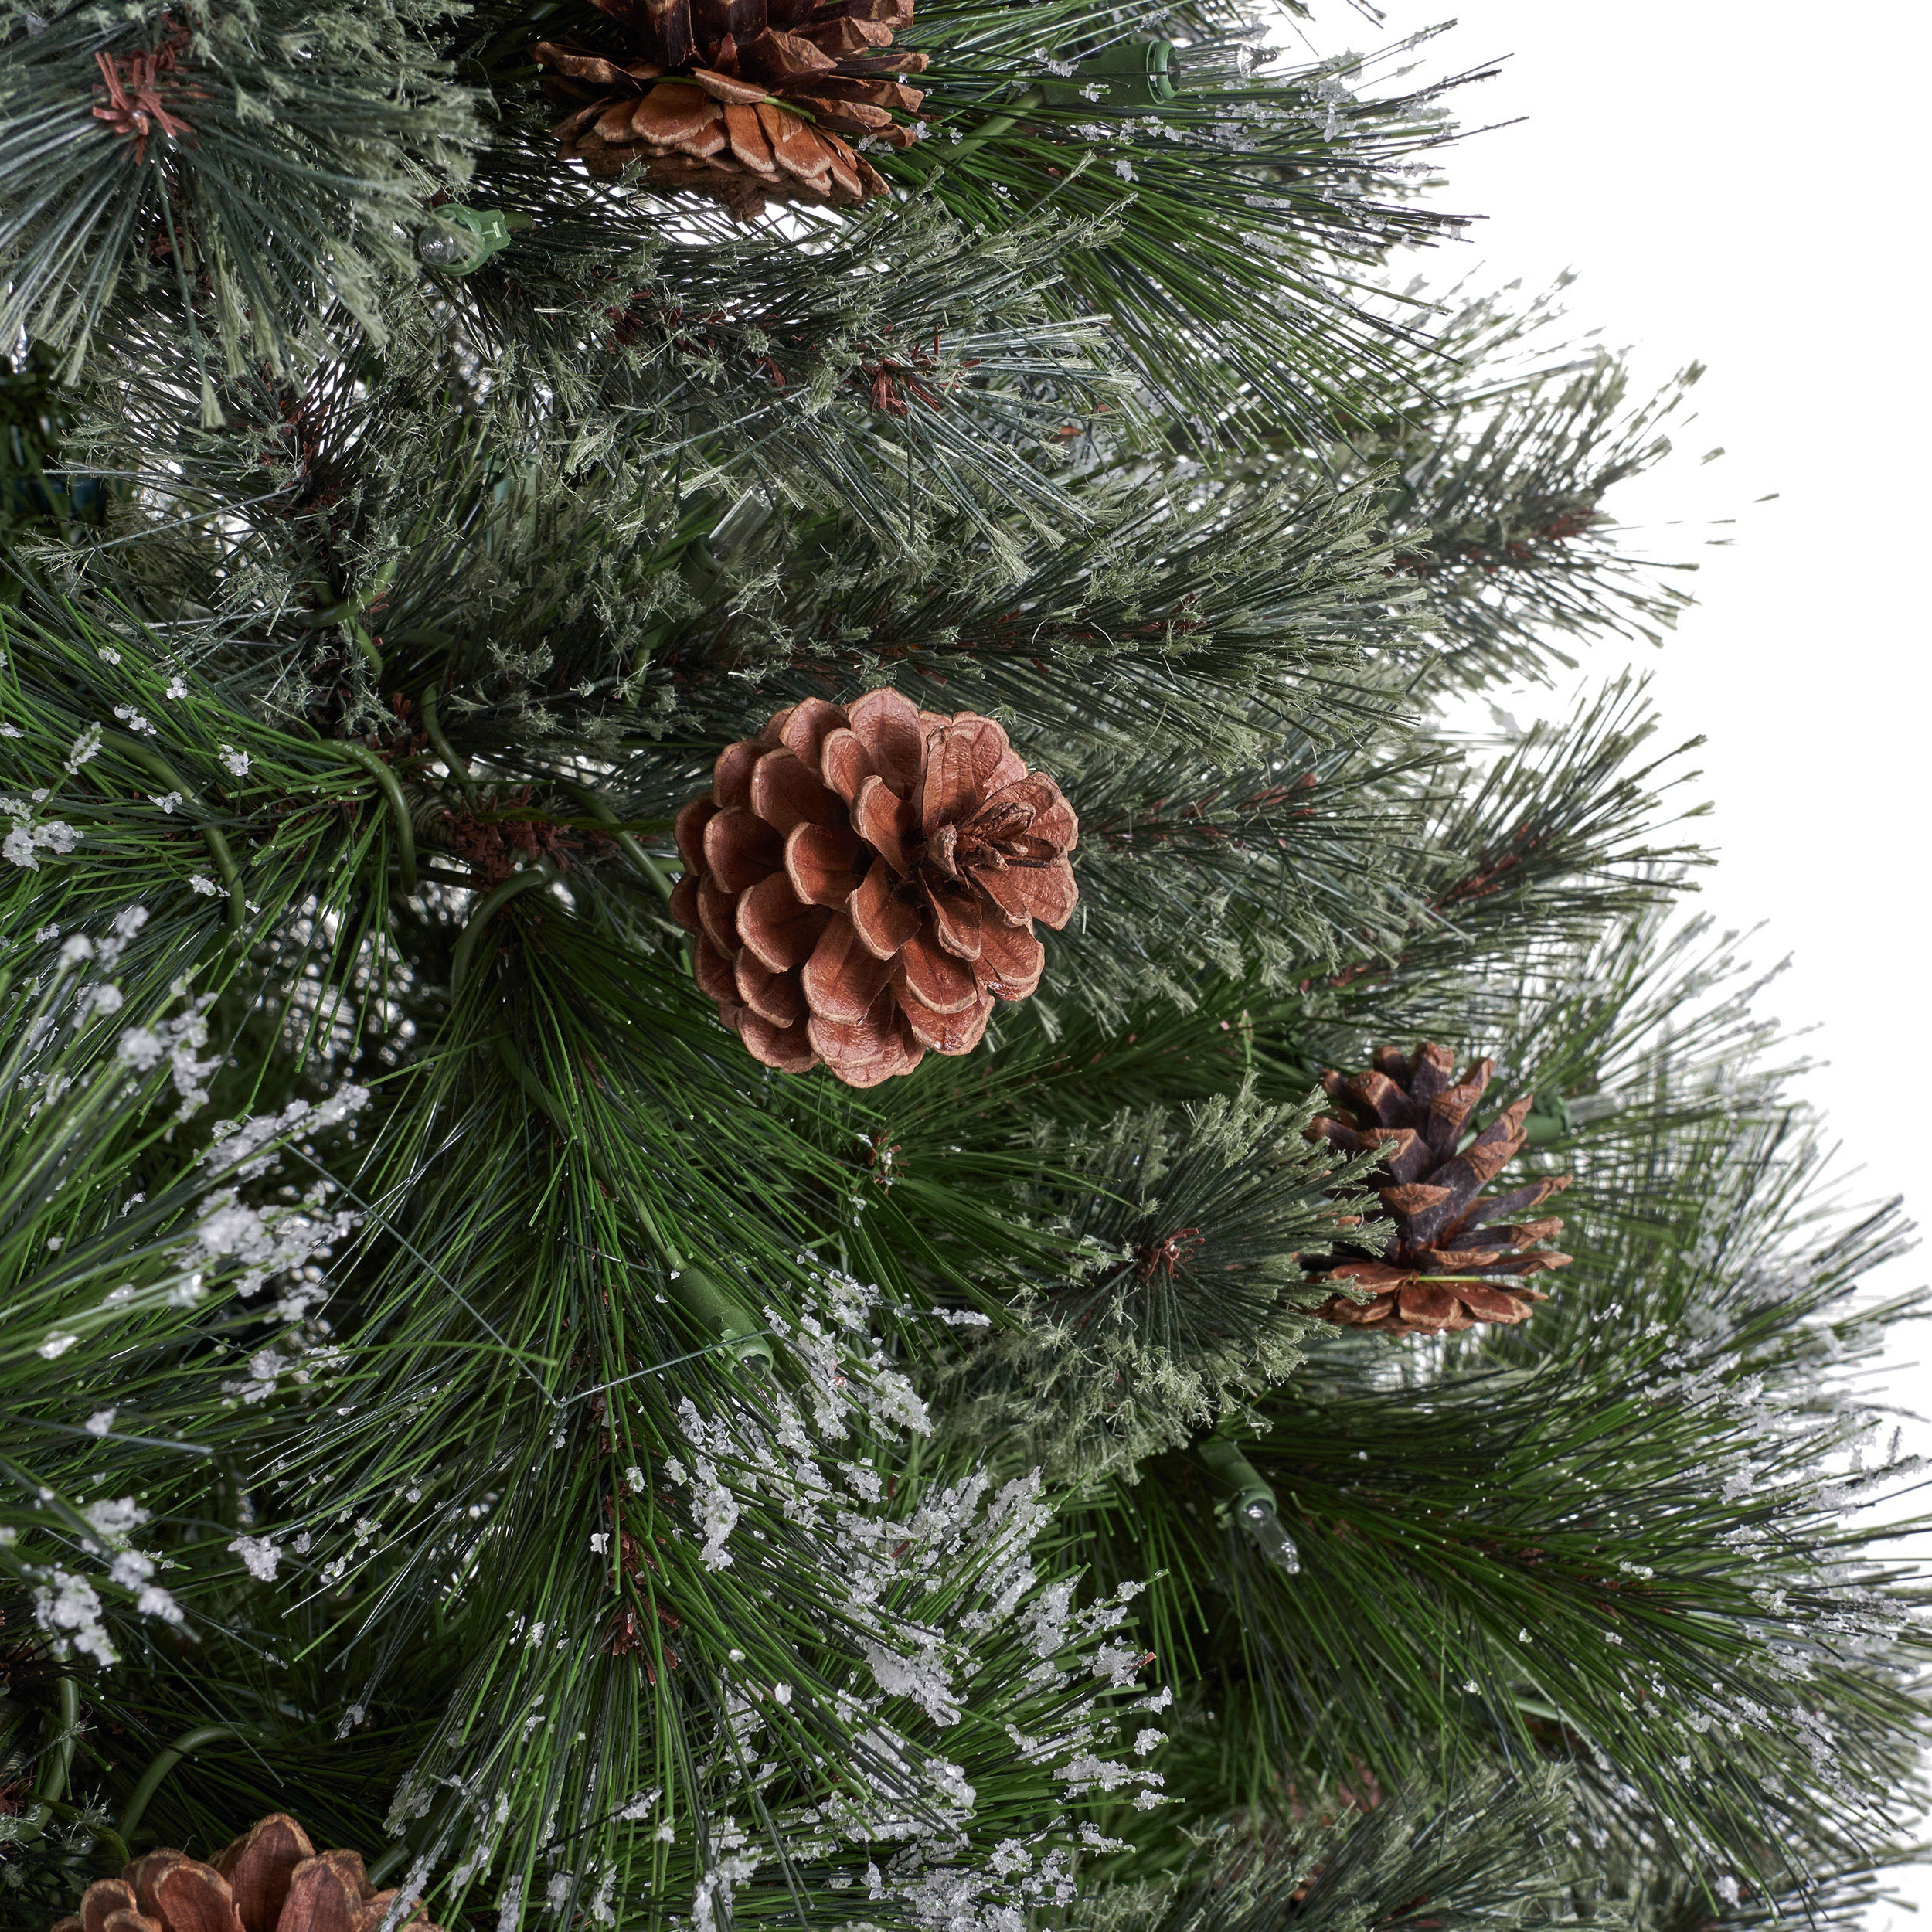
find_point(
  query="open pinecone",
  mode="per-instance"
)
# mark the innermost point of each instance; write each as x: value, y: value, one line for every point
x: 1457, y: 1257
x: 863, y: 882
x: 744, y: 100
x: 270, y: 1880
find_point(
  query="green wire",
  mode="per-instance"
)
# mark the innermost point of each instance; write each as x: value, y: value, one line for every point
x: 486, y: 909
x: 189, y: 1742
x: 398, y: 807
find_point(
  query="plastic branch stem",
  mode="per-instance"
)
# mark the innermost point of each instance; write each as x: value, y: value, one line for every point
x: 1132, y: 73
x: 347, y: 611
x: 398, y: 807
x: 708, y: 1304
x: 104, y: 1836
x: 365, y: 644
x: 520, y: 1070
x: 184, y: 1746
x: 717, y: 1312
x: 487, y: 909
x: 157, y: 766
x: 69, y: 1736
x: 599, y: 808
x: 59, y: 1766
x: 723, y: 1318
x: 433, y: 726
x: 999, y: 124
x: 386, y: 1864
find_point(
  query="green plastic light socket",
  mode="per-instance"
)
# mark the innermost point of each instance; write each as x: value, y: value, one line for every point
x: 1132, y: 73
x: 717, y: 1312
x: 461, y: 240
x: 1249, y: 1501
x: 1238, y: 1478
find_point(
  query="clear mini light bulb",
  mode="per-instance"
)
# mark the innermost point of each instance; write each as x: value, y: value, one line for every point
x: 1246, y: 1498
x: 1259, y: 1519
x: 437, y: 248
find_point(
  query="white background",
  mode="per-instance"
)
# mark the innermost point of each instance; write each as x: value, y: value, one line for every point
x: 1739, y: 185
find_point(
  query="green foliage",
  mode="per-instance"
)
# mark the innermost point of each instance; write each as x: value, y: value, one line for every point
x: 1613, y: 1537
x: 1251, y: 202
x: 1492, y: 1857
x: 1150, y: 1340
x: 34, y: 417
x: 1497, y: 483
x: 242, y: 169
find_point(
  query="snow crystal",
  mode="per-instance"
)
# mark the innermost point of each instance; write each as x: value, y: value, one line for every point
x: 258, y: 1555
x: 118, y: 1518
x: 140, y: 1049
x: 67, y: 1608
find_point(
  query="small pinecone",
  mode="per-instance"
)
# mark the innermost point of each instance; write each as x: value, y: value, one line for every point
x: 744, y: 100
x: 271, y: 1879
x: 1458, y: 1257
x: 863, y: 882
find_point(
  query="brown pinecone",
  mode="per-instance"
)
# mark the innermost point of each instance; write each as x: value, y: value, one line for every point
x: 744, y: 100
x: 863, y: 882
x: 271, y: 1879
x: 1458, y: 1256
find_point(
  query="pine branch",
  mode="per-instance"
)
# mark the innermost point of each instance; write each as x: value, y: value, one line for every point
x: 1186, y: 1302
x: 1491, y: 1856
x: 1623, y: 1517
x: 1255, y: 199
x: 145, y: 165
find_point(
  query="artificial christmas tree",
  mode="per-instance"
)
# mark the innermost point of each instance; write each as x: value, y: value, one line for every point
x: 473, y: 620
